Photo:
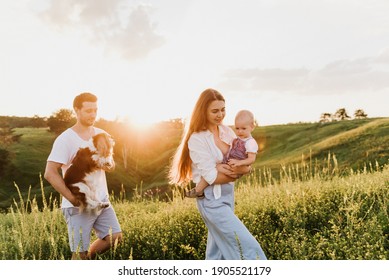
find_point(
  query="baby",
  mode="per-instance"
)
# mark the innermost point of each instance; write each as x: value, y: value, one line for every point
x: 243, y: 150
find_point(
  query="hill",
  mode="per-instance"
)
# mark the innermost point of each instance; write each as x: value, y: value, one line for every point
x: 355, y: 143
x: 142, y: 165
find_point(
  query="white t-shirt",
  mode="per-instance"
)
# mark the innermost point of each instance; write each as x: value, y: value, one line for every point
x: 64, y: 150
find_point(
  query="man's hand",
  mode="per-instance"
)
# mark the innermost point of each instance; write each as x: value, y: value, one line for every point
x: 74, y: 200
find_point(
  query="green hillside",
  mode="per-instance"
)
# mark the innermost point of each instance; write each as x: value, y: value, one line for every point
x: 355, y: 143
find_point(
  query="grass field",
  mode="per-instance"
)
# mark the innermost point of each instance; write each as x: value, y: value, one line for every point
x: 318, y: 217
x: 319, y: 191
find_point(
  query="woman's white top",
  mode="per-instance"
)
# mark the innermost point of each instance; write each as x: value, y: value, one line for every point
x: 205, y: 155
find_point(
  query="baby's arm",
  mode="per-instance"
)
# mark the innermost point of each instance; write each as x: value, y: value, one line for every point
x: 240, y: 162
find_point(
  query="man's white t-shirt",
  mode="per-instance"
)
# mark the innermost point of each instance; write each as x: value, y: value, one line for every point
x: 65, y: 148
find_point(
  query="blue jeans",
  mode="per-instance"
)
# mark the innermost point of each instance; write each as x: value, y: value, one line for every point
x: 228, y: 237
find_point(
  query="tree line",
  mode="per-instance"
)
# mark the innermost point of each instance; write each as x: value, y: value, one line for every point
x: 125, y: 134
x: 131, y: 146
x: 341, y: 114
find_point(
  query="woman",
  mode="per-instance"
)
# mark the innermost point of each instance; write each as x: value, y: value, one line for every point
x: 203, y: 146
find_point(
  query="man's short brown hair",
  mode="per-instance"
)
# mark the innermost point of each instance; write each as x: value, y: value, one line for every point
x: 83, y: 97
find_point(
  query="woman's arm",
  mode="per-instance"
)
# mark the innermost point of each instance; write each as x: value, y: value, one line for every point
x: 223, y: 179
x: 233, y: 172
x: 242, y: 170
x: 225, y: 174
x: 205, y: 163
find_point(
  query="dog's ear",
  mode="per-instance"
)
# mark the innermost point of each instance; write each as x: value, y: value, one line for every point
x: 111, y: 140
x: 95, y: 139
x: 103, y: 144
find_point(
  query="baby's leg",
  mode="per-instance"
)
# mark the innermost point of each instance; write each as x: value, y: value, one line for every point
x: 198, y: 191
x: 200, y: 187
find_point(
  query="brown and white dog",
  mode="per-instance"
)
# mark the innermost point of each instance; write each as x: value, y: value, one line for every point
x: 81, y: 176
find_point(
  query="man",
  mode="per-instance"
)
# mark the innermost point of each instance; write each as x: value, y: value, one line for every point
x: 80, y: 224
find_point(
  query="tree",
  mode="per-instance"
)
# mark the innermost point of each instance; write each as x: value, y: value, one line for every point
x: 37, y: 121
x: 341, y: 114
x: 4, y: 160
x: 360, y: 114
x: 61, y: 120
x: 326, y: 117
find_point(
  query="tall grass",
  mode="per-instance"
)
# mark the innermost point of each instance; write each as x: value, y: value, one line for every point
x: 322, y: 217
x: 32, y: 232
x: 310, y: 212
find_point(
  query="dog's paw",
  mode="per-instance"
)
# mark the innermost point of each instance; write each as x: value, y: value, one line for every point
x: 93, y: 204
x: 103, y: 205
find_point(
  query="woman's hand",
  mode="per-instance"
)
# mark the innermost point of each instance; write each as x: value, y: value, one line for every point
x: 227, y: 170
x: 242, y: 170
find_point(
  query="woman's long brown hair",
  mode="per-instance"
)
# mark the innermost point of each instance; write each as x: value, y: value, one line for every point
x: 180, y: 172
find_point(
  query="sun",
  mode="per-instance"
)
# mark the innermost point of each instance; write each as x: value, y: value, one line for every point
x: 142, y: 124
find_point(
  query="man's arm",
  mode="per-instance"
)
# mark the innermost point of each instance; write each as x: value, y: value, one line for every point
x: 53, y: 176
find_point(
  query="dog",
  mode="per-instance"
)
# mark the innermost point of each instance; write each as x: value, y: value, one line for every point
x: 80, y: 177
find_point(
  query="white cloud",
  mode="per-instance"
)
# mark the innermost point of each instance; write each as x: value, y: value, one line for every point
x: 275, y: 79
x: 365, y: 75
x: 350, y: 76
x: 383, y: 57
x: 114, y: 24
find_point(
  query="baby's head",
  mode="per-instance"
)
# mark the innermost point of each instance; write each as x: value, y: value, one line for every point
x: 244, y: 123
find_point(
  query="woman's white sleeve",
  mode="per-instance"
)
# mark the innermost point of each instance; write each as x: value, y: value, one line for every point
x: 201, y: 156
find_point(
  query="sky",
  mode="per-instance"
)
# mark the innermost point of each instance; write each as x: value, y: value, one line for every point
x: 148, y: 60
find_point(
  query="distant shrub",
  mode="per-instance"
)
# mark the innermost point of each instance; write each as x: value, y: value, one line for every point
x: 4, y: 161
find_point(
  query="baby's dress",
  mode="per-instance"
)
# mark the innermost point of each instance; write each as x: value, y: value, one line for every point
x: 237, y: 151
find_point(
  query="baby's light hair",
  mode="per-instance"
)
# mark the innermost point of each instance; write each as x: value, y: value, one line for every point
x: 246, y: 115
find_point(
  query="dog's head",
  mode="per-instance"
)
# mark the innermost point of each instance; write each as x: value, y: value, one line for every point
x: 103, y: 151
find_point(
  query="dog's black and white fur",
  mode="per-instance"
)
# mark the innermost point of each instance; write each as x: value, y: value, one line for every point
x: 80, y: 177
